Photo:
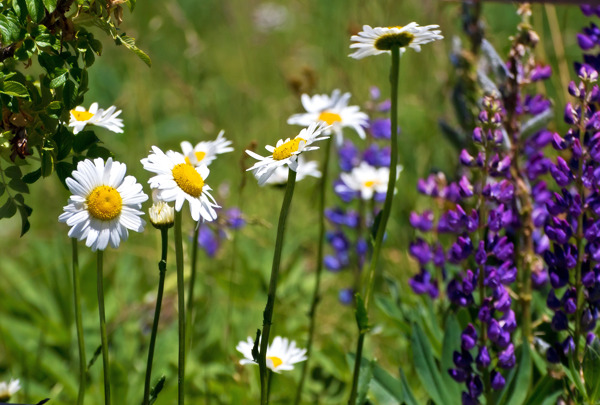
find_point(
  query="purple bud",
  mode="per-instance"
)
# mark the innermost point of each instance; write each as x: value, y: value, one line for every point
x: 208, y: 241
x: 381, y: 128
x: 574, y: 89
x: 497, y: 380
x: 466, y: 188
x: 458, y: 375
x: 483, y: 359
x: 466, y: 159
x: 540, y: 73
x: 559, y: 321
x: 552, y: 302
x: 462, y: 359
x: 346, y: 296
x: 475, y: 387
x: 468, y: 337
x: 585, y: 42
x: 478, y: 135
x: 420, y: 250
x: 481, y: 254
x: 374, y: 92
x: 506, y: 358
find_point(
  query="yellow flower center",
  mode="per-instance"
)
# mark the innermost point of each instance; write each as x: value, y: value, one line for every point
x: 286, y: 149
x: 276, y: 361
x: 188, y: 179
x: 387, y: 41
x: 199, y: 157
x: 104, y: 203
x: 369, y: 183
x: 82, y: 115
x: 329, y: 117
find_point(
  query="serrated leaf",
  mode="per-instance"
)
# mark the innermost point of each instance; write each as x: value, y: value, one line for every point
x: 33, y: 176
x: 129, y: 43
x: 18, y: 185
x: 35, y: 8
x: 362, y: 318
x: 591, y: 370
x: 15, y: 89
x: 9, y: 209
x: 58, y: 80
x: 9, y: 28
x: 50, y: 5
x: 426, y: 367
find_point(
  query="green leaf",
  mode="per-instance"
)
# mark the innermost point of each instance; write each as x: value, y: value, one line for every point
x: 391, y: 385
x: 58, y: 80
x: 25, y: 212
x: 364, y: 379
x: 425, y: 365
x: 35, y: 9
x: 375, y: 226
x: 50, y: 5
x: 47, y: 163
x: 13, y: 172
x: 409, y: 397
x: 84, y: 140
x: 18, y: 185
x: 33, y: 176
x: 94, y: 357
x: 591, y: 370
x: 9, y: 209
x: 70, y: 95
x: 546, y: 389
x: 362, y: 318
x: 9, y: 28
x: 522, y: 380
x: 2, y: 189
x: 15, y: 89
x: 573, y: 376
x: 129, y: 43
x: 64, y: 170
x: 450, y: 343
x: 156, y: 390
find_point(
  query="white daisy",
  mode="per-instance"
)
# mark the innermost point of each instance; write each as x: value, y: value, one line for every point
x: 304, y: 170
x: 7, y: 390
x: 335, y: 111
x: 373, y: 41
x: 287, y: 152
x: 80, y: 117
x: 281, y: 354
x: 206, y: 151
x: 105, y: 203
x: 365, y: 179
x: 176, y: 180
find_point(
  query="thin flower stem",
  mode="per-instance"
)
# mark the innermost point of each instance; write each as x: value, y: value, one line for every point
x: 316, y: 294
x: 268, y: 314
x: 162, y: 268
x: 103, y: 336
x: 385, y: 215
x: 78, y: 323
x: 190, y: 300
x: 181, y: 308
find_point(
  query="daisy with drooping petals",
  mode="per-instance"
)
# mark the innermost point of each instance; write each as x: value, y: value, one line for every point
x: 366, y: 180
x: 281, y: 354
x: 9, y: 389
x: 176, y: 180
x: 104, y: 205
x: 206, y: 151
x: 373, y: 41
x: 287, y: 152
x: 305, y: 169
x: 333, y: 110
x: 80, y: 117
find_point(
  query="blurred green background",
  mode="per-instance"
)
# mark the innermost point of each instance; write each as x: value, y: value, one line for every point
x: 231, y: 65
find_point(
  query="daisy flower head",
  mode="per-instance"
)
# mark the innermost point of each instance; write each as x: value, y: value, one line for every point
x: 365, y: 180
x: 281, y: 354
x: 333, y: 110
x: 80, y: 117
x: 178, y: 181
x: 104, y: 205
x: 287, y: 152
x: 206, y: 151
x: 374, y: 41
x: 305, y: 169
x: 9, y: 389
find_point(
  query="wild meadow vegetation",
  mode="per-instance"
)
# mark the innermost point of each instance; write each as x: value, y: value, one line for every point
x: 154, y: 251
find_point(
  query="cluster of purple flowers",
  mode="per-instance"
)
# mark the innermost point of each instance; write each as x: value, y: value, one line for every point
x: 211, y: 234
x: 349, y: 226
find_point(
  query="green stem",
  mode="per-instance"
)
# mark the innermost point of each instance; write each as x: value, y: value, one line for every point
x: 181, y: 308
x: 103, y: 330
x: 78, y: 323
x: 190, y: 300
x: 162, y: 268
x: 316, y: 294
x: 268, y: 313
x: 385, y: 214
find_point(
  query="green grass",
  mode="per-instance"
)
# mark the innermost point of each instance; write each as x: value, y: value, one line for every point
x: 213, y: 70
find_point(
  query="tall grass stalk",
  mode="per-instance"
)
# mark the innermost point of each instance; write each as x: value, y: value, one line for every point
x: 190, y: 299
x: 162, y: 269
x: 181, y: 308
x: 105, y: 363
x: 78, y: 323
x: 268, y: 314
x: 316, y: 294
x: 384, y: 216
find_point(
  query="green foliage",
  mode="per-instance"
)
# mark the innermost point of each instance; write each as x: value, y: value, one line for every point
x: 591, y: 371
x: 49, y: 37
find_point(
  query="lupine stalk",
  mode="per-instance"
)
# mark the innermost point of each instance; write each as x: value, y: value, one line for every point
x: 268, y: 313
